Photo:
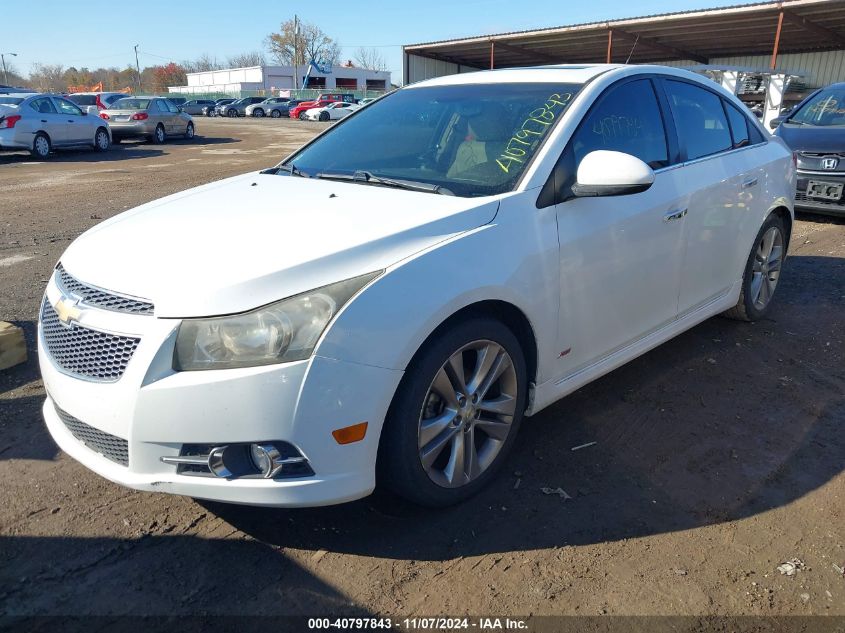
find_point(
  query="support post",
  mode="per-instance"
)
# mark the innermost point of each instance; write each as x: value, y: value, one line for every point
x: 774, y: 98
x: 730, y: 81
x: 777, y: 41
x: 492, y: 54
x: 609, y: 45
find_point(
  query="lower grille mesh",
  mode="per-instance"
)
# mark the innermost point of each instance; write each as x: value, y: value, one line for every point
x: 800, y: 196
x: 107, y: 445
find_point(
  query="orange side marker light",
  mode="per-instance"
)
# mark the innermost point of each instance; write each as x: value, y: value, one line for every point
x: 350, y: 434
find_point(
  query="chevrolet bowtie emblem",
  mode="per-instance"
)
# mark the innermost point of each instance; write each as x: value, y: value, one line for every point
x: 67, y: 309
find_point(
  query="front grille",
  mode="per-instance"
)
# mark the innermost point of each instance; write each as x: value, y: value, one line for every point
x: 800, y: 196
x: 109, y: 446
x: 100, y: 298
x: 85, y: 352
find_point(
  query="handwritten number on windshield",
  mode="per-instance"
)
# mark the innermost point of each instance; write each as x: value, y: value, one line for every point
x: 526, y: 138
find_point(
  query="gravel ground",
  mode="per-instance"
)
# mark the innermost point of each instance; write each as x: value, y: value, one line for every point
x: 718, y: 456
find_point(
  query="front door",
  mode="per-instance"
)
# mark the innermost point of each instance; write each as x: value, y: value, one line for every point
x: 76, y: 128
x: 620, y: 257
x: 49, y: 120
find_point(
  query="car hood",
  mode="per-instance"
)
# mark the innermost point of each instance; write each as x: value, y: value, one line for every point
x: 806, y: 138
x: 246, y: 241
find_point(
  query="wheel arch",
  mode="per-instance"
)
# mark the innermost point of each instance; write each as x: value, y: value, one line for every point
x: 786, y: 217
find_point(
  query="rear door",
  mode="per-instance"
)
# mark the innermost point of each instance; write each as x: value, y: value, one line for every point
x: 177, y: 123
x: 720, y: 180
x: 47, y: 118
x: 160, y: 114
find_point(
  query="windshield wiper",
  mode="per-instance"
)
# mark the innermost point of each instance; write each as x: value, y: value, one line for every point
x: 289, y: 169
x: 371, y: 179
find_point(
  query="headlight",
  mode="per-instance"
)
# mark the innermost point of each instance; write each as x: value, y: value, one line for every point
x: 281, y: 332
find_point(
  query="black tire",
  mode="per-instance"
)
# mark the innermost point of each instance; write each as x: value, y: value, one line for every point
x: 232, y: 113
x: 258, y: 112
x: 399, y: 464
x: 275, y: 114
x: 302, y: 115
x: 746, y: 309
x: 41, y: 146
x: 159, y: 135
x: 102, y: 142
x: 190, y: 131
x: 324, y: 116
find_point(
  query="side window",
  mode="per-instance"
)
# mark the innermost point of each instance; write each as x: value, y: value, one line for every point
x: 66, y: 107
x: 755, y: 134
x: 626, y: 119
x: 699, y: 119
x: 158, y: 106
x: 171, y: 107
x: 112, y: 98
x: 739, y: 125
x: 43, y: 105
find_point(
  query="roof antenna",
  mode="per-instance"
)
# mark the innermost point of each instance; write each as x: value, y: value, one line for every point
x: 632, y: 49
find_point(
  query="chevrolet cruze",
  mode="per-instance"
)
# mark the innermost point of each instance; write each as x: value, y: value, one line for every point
x: 388, y: 303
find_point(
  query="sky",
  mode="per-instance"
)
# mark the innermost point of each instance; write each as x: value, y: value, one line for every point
x: 95, y: 33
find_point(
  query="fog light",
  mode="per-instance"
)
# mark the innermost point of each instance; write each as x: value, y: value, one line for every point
x: 266, y: 459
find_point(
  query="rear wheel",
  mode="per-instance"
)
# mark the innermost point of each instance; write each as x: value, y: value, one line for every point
x: 101, y: 140
x: 159, y: 136
x: 189, y: 131
x: 762, y: 272
x: 40, y: 146
x: 455, y: 415
x: 232, y: 113
x: 275, y: 114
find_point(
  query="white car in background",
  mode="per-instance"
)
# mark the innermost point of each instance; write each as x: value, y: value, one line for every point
x: 41, y: 123
x: 387, y: 303
x: 332, y: 112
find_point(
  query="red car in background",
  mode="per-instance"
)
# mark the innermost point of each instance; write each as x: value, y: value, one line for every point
x: 322, y: 101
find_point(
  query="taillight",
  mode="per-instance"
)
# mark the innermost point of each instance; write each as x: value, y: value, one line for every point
x: 140, y: 116
x: 105, y: 116
x: 795, y: 160
x: 100, y: 104
x: 8, y: 122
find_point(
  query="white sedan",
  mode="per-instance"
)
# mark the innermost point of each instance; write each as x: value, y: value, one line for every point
x: 388, y: 303
x: 332, y: 111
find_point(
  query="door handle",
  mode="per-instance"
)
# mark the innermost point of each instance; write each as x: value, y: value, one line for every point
x: 43, y: 120
x: 677, y: 214
x: 749, y: 183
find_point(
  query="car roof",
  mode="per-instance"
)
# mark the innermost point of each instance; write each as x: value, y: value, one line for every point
x: 22, y: 95
x: 563, y: 73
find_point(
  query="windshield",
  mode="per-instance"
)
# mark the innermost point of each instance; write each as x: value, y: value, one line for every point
x: 827, y: 108
x: 473, y: 140
x: 131, y: 104
x: 4, y: 100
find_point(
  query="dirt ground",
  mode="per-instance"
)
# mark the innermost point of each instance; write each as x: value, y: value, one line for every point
x: 718, y: 456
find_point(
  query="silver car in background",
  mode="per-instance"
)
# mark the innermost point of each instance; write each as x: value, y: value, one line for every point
x: 197, y: 106
x: 40, y: 123
x: 154, y: 118
x: 266, y: 107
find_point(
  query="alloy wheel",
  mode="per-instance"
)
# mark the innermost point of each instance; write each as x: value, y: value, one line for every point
x: 765, y: 271
x: 467, y: 413
x: 189, y: 132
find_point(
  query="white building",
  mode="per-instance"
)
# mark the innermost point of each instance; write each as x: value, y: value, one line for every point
x: 275, y: 78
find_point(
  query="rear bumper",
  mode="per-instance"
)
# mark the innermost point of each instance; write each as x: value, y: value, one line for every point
x: 130, y: 129
x: 14, y: 141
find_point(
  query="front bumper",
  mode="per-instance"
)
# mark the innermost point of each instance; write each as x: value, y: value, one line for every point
x: 156, y: 410
x: 828, y: 207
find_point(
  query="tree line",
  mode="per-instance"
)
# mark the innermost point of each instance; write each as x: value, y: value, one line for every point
x: 286, y: 46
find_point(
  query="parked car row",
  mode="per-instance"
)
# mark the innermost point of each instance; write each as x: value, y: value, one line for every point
x: 41, y: 123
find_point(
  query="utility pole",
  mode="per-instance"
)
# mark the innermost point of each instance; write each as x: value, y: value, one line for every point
x: 5, y: 72
x: 138, y: 67
x: 295, y: 56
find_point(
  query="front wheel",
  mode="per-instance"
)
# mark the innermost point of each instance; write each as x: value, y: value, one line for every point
x: 324, y: 116
x: 455, y: 415
x: 258, y: 112
x: 302, y: 116
x: 275, y: 114
x: 189, y: 131
x: 232, y: 113
x: 762, y: 272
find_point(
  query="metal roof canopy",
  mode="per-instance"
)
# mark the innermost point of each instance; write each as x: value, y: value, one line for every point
x: 768, y: 28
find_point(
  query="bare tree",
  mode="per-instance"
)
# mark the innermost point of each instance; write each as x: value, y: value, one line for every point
x: 244, y: 60
x: 311, y: 43
x: 48, y: 78
x: 370, y: 58
x: 203, y: 63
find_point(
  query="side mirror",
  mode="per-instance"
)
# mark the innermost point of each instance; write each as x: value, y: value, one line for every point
x: 607, y: 173
x: 776, y: 121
